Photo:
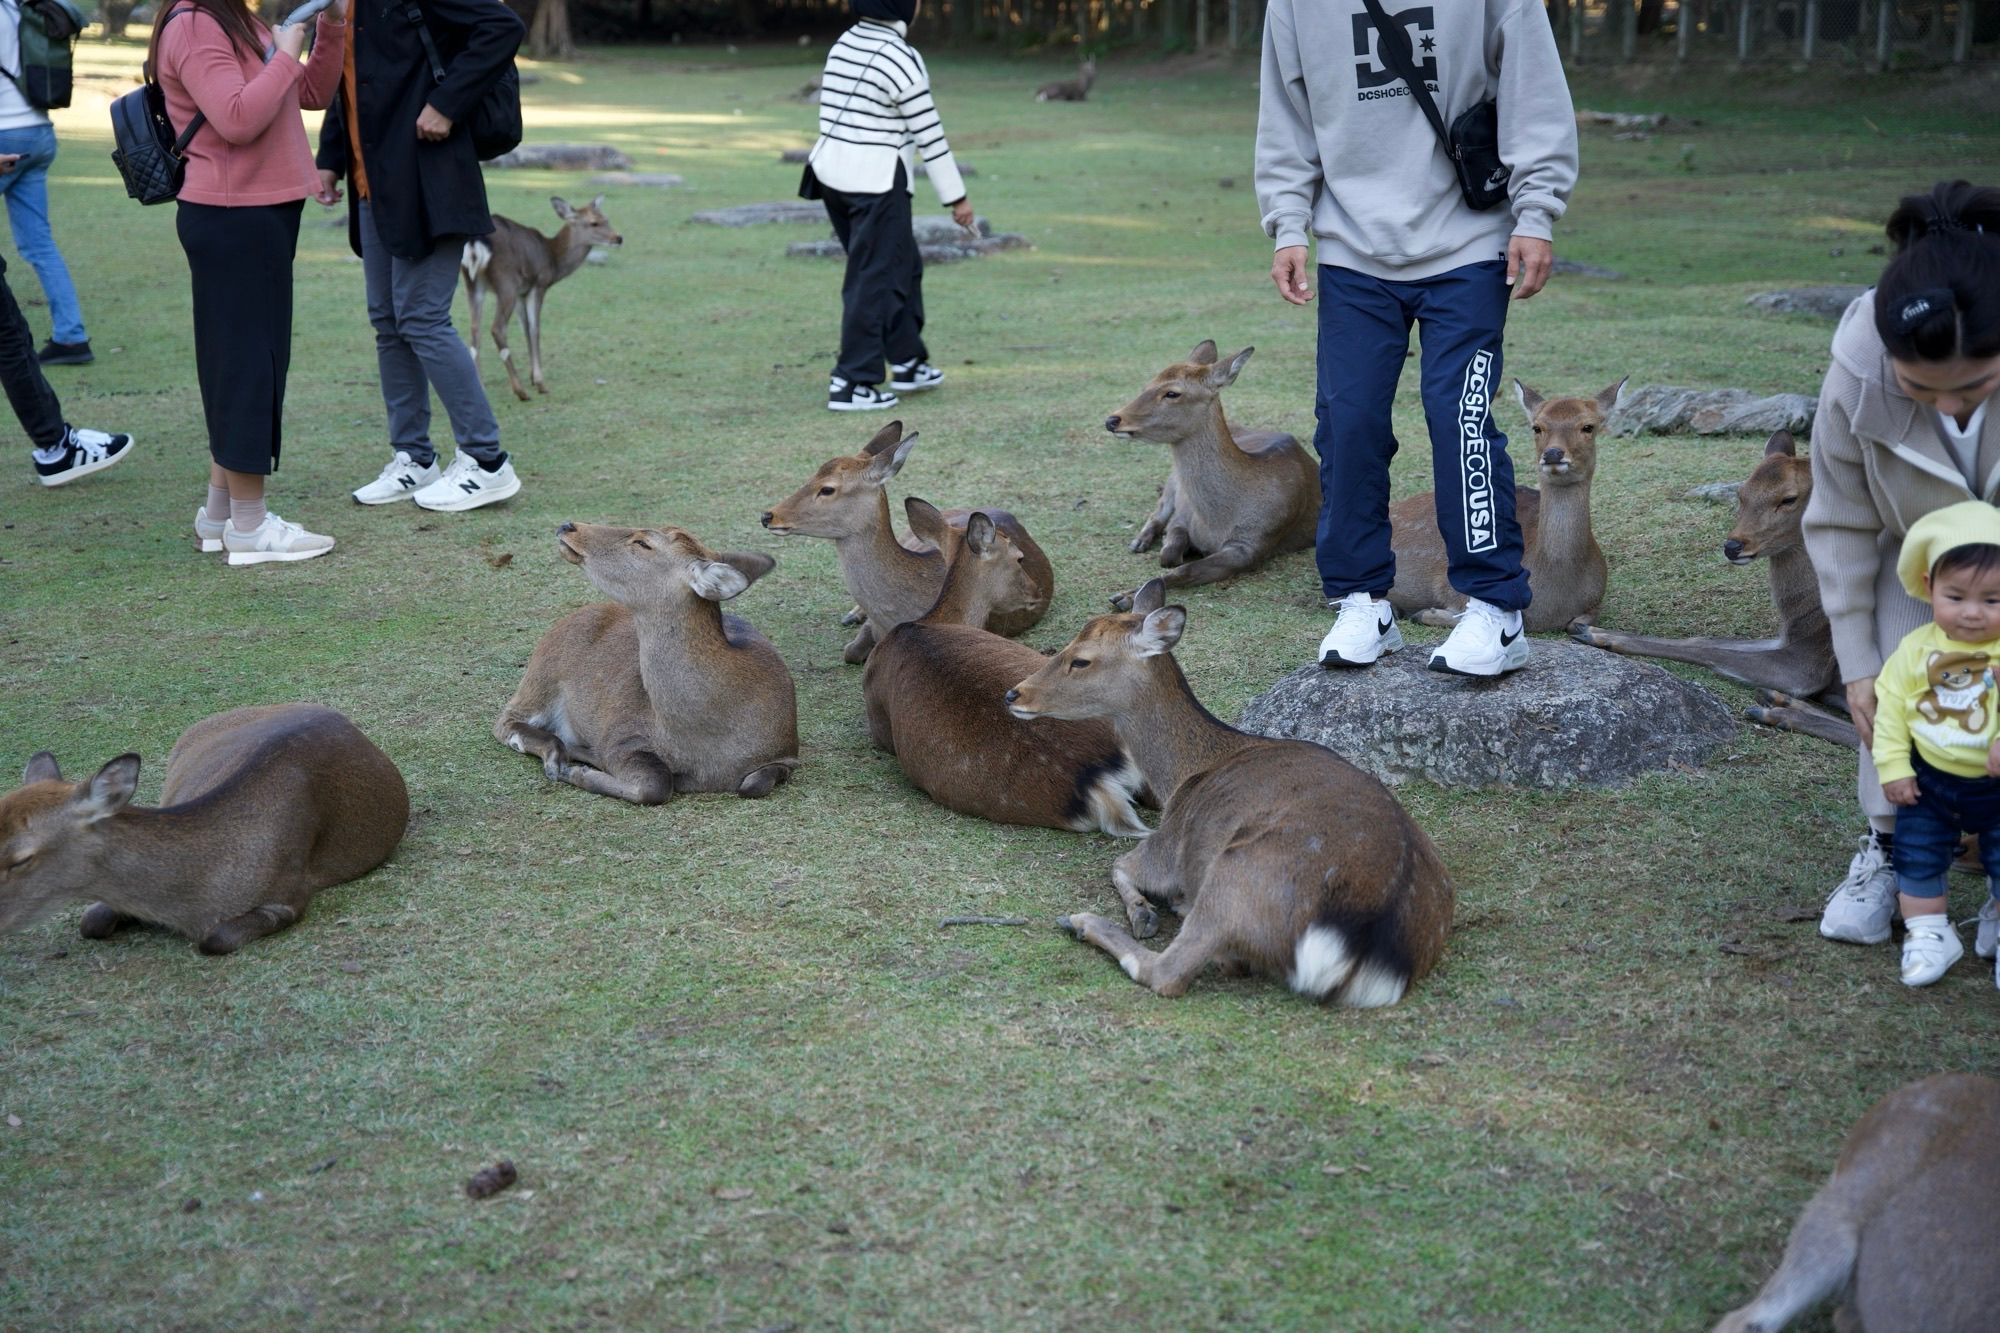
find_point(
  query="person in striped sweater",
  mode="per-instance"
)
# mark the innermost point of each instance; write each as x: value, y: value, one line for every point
x: 876, y: 119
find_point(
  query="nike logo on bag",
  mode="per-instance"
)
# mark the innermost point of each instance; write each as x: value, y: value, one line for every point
x: 1507, y: 640
x: 1497, y: 179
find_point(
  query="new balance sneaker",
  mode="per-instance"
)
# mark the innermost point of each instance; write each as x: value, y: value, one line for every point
x: 400, y: 479
x: 842, y: 396
x: 274, y: 539
x: 915, y: 377
x: 1860, y: 910
x: 467, y: 485
x: 81, y: 453
x: 1363, y: 630
x: 1930, y: 947
x: 208, y: 531
x: 1486, y: 641
x: 1988, y: 933
x: 54, y: 353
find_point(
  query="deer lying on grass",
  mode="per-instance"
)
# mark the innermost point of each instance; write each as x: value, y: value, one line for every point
x: 1070, y: 90
x: 1566, y: 570
x: 261, y: 809
x: 934, y: 689
x: 846, y: 501
x: 1235, y: 501
x: 656, y: 691
x: 1905, y: 1230
x: 1798, y: 665
x: 518, y: 265
x: 1281, y: 856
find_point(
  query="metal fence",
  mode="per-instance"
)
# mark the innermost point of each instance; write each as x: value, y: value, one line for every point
x: 1869, y: 34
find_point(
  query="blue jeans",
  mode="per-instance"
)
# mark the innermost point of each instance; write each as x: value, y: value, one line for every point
x: 1927, y: 833
x: 27, y: 190
x: 1364, y: 336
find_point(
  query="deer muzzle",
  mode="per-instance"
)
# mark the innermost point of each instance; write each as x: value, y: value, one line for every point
x: 1733, y: 552
x: 1555, y: 460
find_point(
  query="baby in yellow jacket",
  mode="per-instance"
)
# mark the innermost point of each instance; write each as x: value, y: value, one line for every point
x: 1937, y: 729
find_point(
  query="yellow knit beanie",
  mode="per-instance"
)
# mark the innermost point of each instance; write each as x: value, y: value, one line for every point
x: 1968, y: 523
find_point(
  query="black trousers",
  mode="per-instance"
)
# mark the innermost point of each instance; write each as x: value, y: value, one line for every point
x: 240, y: 264
x: 882, y: 298
x: 21, y: 372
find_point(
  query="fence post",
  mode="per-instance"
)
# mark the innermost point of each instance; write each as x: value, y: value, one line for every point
x: 1961, y: 41
x: 1742, y: 31
x: 1810, y: 38
x: 1235, y: 22
x: 1683, y: 29
x: 1201, y: 25
x: 1628, y: 36
x: 1576, y: 31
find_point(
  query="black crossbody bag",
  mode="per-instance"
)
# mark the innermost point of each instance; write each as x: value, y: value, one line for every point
x: 1472, y: 141
x: 495, y: 121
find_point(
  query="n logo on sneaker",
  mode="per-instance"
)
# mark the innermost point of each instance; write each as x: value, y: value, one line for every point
x: 469, y: 487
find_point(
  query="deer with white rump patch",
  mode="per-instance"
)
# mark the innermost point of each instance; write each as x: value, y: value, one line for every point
x: 934, y: 688
x: 1905, y: 1231
x: 1279, y: 855
x: 1070, y: 90
x: 260, y: 810
x: 656, y: 691
x: 518, y: 265
x: 1232, y: 501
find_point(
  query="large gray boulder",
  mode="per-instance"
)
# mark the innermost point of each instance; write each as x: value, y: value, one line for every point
x: 1668, y: 409
x: 1573, y: 715
x: 657, y: 180
x: 1823, y: 302
x: 758, y: 215
x: 564, y: 157
x: 939, y: 240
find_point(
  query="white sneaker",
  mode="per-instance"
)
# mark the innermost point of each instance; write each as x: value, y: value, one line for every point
x: 915, y: 377
x: 1860, y: 910
x: 81, y: 453
x: 1930, y: 947
x: 466, y: 485
x: 1363, y: 630
x: 1486, y: 642
x: 208, y: 531
x: 1988, y: 933
x: 842, y: 396
x: 400, y: 479
x: 274, y: 539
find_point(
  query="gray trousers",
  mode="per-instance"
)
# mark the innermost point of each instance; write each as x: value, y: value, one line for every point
x: 409, y: 303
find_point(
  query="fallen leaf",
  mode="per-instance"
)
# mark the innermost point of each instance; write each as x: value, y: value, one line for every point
x: 734, y: 1195
x: 13, y: 1122
x: 502, y: 560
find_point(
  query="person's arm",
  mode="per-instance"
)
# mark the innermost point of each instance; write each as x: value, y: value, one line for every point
x: 1537, y: 141
x: 333, y: 147
x: 1895, y: 690
x: 1288, y: 176
x: 1842, y: 529
x: 329, y: 53
x: 492, y: 36
x: 926, y: 129
x: 207, y: 63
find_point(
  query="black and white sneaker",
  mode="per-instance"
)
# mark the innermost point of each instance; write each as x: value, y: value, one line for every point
x: 915, y: 377
x: 1486, y: 642
x: 81, y: 453
x: 1363, y: 630
x: 842, y: 396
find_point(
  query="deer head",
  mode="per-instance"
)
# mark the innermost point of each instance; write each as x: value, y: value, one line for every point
x: 843, y: 498
x: 586, y: 225
x: 1181, y: 399
x: 983, y: 560
x: 1108, y: 666
x: 1771, y: 504
x: 52, y: 835
x: 1566, y: 431
x: 642, y: 567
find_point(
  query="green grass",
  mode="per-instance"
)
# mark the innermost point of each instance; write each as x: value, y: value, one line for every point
x: 1591, y: 1116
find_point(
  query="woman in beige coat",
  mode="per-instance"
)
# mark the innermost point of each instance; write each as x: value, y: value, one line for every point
x: 1907, y: 423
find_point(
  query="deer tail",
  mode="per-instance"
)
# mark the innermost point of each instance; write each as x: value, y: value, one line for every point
x: 478, y: 254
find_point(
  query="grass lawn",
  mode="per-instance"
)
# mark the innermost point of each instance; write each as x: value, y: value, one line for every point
x: 748, y: 1080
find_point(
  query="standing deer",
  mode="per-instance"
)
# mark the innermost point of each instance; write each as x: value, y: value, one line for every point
x: 1232, y: 502
x: 846, y: 501
x: 1566, y: 570
x: 1281, y: 856
x: 518, y: 265
x: 1070, y: 90
x: 656, y: 691
x: 1905, y: 1231
x: 934, y: 687
x: 1798, y: 664
x: 261, y: 809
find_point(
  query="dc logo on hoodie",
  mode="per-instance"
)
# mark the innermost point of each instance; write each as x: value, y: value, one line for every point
x: 1372, y: 75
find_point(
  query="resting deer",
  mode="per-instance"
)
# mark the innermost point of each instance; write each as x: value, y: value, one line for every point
x: 261, y: 809
x: 1281, y: 856
x: 518, y: 265
x: 1070, y: 90
x: 1232, y: 502
x: 1905, y: 1230
x: 656, y: 691
x: 1798, y: 664
x: 846, y: 500
x: 1566, y: 570
x: 934, y: 687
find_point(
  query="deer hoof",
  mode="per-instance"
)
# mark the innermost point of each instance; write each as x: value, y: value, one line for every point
x: 1069, y: 927
x: 100, y: 922
x: 1121, y: 601
x: 1145, y: 923
x: 1583, y: 631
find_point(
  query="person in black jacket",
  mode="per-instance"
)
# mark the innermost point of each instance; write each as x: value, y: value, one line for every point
x: 398, y: 134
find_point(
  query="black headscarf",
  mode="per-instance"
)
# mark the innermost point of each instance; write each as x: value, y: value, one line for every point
x: 888, y: 11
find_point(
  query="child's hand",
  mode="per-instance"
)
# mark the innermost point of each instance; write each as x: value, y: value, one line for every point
x: 1993, y: 761
x: 1903, y: 791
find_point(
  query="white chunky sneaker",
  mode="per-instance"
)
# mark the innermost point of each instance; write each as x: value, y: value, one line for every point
x: 842, y: 396
x: 399, y: 480
x: 915, y: 377
x: 466, y: 485
x: 1363, y: 630
x: 208, y: 531
x: 1930, y: 947
x: 1988, y: 934
x: 1860, y: 910
x: 1486, y: 641
x: 274, y: 539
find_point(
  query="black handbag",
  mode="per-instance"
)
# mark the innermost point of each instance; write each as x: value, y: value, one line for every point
x: 495, y: 123
x: 1473, y: 140
x: 148, y: 154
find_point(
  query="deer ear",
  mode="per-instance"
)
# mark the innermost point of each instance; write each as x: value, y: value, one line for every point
x: 1159, y: 632
x: 1608, y: 400
x: 562, y: 207
x: 752, y: 565
x: 597, y: 204
x: 1150, y: 597
x: 1203, y: 353
x: 886, y: 465
x: 925, y: 520
x: 1224, y: 375
x: 109, y: 792
x: 884, y: 438
x: 42, y: 767
x: 1780, y: 443
x: 1531, y: 402
x: 979, y: 533
x: 716, y: 580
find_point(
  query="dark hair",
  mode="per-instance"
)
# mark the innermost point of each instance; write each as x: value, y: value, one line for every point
x: 1939, y: 298
x: 1972, y: 560
x: 233, y: 16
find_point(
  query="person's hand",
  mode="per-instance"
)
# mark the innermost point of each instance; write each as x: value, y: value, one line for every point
x: 337, y: 11
x: 1903, y: 791
x: 329, y: 188
x: 961, y: 213
x: 290, y: 40
x: 1529, y: 263
x: 1993, y: 760
x: 8, y: 161
x: 1288, y: 270
x: 1861, y: 707
x: 433, y: 125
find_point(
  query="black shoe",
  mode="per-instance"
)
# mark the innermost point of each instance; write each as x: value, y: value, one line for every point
x: 842, y: 396
x: 66, y: 354
x: 84, y: 452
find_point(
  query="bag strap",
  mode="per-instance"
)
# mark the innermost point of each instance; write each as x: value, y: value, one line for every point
x: 415, y: 15
x: 200, y: 118
x: 1394, y: 44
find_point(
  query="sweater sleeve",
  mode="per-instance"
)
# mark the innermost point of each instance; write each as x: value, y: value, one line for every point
x: 1842, y: 529
x: 322, y: 76
x: 208, y: 66
x: 333, y: 147
x: 1896, y: 690
x: 1537, y: 121
x: 1288, y: 173
x: 926, y: 129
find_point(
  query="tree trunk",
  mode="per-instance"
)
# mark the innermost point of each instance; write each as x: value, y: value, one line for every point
x: 548, y: 35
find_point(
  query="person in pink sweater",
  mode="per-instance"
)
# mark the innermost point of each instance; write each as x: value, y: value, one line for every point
x: 249, y: 171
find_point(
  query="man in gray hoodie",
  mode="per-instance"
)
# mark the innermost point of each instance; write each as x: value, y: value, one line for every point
x: 1345, y: 153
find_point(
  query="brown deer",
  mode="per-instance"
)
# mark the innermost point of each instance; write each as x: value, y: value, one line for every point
x: 1566, y: 570
x: 1905, y: 1230
x: 847, y: 501
x: 261, y: 809
x: 1281, y: 856
x: 518, y: 265
x: 934, y: 688
x: 1232, y: 502
x: 1070, y: 90
x: 656, y: 691
x: 1796, y: 666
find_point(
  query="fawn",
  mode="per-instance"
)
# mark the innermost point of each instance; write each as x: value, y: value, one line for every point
x: 518, y: 265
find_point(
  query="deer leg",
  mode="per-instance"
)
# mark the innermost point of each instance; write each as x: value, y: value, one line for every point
x: 503, y: 311
x: 1783, y: 713
x: 1166, y: 974
x: 532, y: 312
x: 254, y: 924
x: 1138, y: 907
x: 855, y: 616
x: 101, y: 922
x: 1767, y: 662
x: 1819, y: 1260
x: 1174, y: 551
x: 527, y: 738
x: 1234, y: 557
x: 1150, y: 530
x: 863, y: 643
x: 640, y: 777
x: 760, y: 782
x: 1440, y: 617
x: 472, y: 325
